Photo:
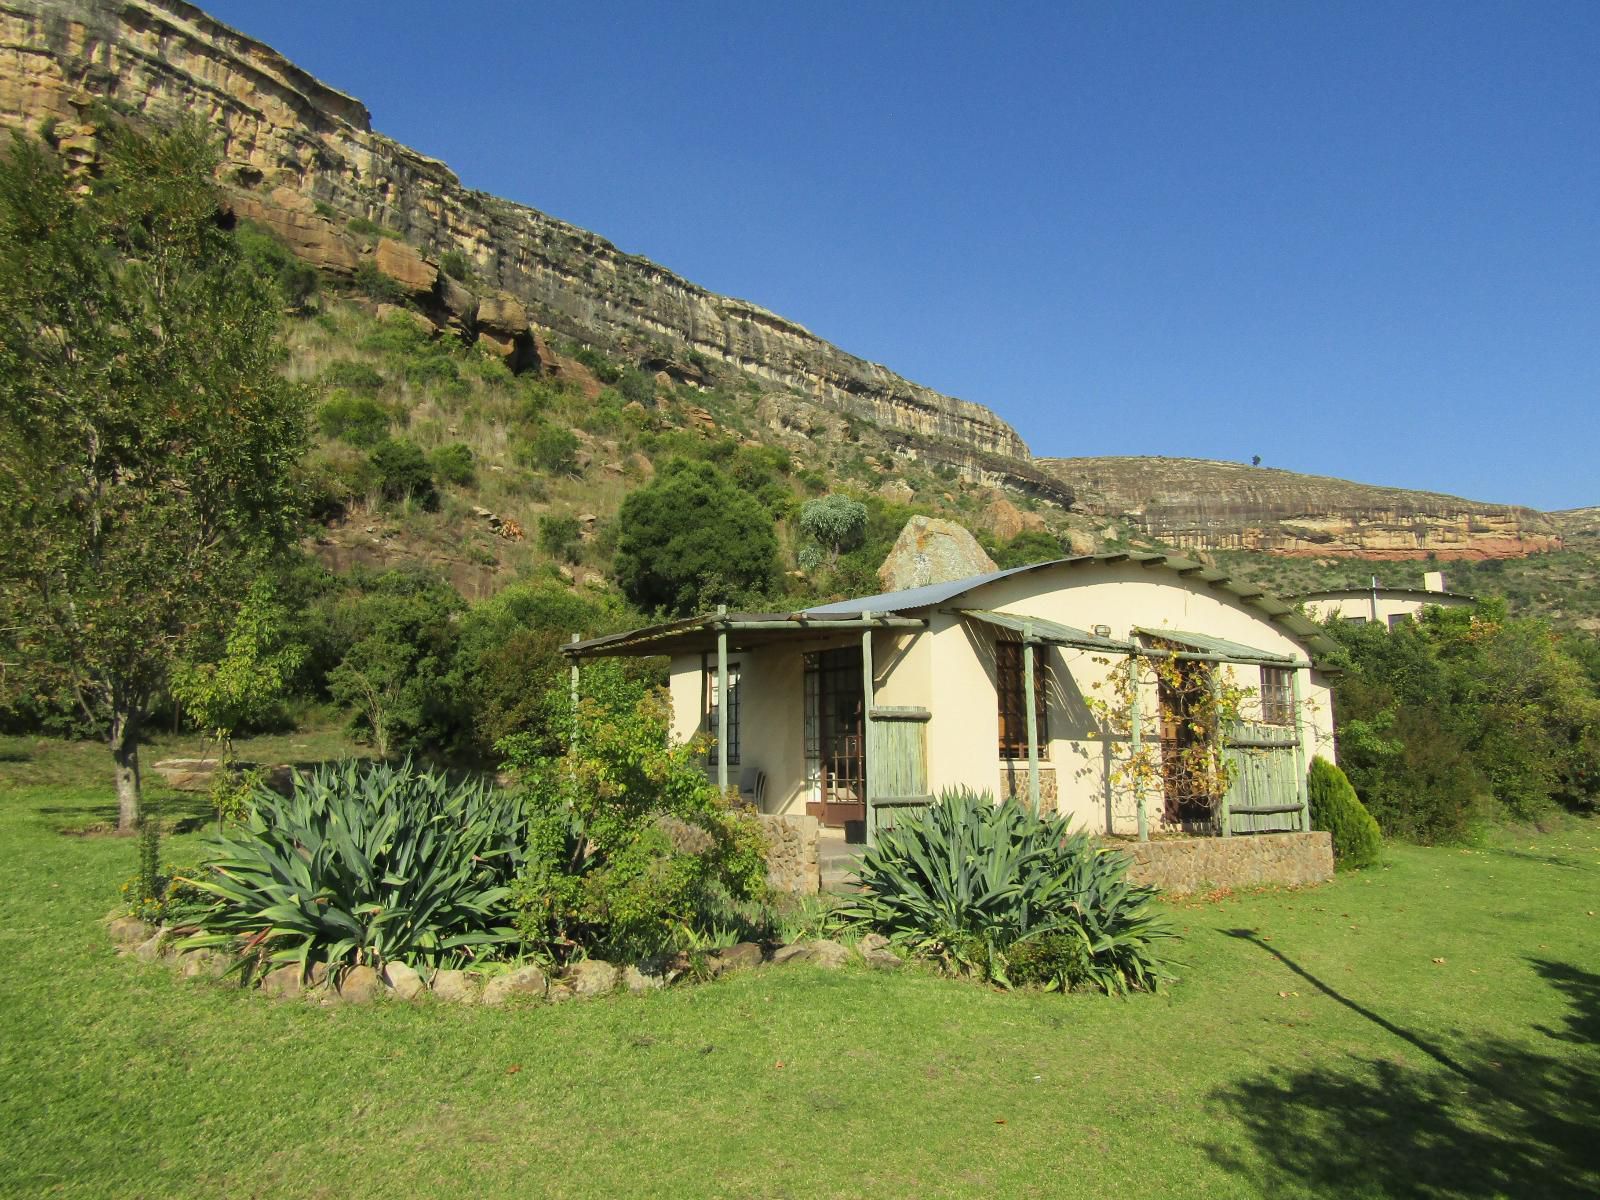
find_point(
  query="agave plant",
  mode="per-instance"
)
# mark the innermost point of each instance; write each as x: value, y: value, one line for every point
x: 978, y: 886
x: 364, y: 864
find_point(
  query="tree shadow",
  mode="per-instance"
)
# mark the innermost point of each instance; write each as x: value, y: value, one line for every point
x: 1492, y: 1118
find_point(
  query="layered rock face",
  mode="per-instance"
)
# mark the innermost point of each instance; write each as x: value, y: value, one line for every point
x: 304, y: 160
x: 1201, y: 504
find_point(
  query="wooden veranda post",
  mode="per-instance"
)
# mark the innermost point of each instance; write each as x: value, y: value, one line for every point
x: 1219, y: 754
x: 722, y: 698
x: 573, y: 692
x: 1135, y: 743
x: 1029, y: 684
x: 868, y: 756
x: 1300, y: 751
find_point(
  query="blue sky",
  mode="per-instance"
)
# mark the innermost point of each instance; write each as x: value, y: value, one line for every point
x: 1357, y: 239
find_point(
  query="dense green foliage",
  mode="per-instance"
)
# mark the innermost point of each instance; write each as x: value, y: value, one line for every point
x: 403, y: 473
x: 1010, y: 896
x: 1336, y: 808
x: 1463, y: 716
x: 354, y: 418
x: 691, y: 539
x: 364, y: 864
x: 635, y: 852
x: 148, y: 444
x: 834, y: 524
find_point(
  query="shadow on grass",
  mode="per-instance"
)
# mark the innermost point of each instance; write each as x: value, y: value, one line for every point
x: 178, y: 812
x: 1496, y: 1118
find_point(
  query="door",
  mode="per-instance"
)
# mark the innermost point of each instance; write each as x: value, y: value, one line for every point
x: 836, y: 744
x: 1185, y: 768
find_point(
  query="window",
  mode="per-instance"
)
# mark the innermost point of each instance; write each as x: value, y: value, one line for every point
x: 708, y: 706
x: 1011, y: 688
x: 1398, y: 619
x: 1353, y: 620
x: 1277, y: 696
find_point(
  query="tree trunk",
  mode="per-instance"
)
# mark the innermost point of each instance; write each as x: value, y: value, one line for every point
x: 125, y: 753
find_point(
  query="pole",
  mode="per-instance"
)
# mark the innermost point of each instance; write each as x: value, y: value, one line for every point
x: 1300, y: 753
x: 1028, y: 684
x: 867, y: 755
x: 1219, y: 750
x: 722, y: 703
x: 1136, y: 743
x: 573, y: 693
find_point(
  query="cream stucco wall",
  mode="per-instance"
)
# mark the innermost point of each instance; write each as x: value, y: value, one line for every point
x: 1361, y: 606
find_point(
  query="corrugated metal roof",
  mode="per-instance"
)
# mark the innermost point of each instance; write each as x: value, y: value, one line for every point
x: 922, y: 597
x: 1049, y: 631
x: 1208, y: 644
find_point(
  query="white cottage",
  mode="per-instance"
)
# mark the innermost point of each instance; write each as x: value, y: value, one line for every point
x: 851, y: 712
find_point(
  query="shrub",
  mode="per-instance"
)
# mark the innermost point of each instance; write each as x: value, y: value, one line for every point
x: 558, y: 536
x: 834, y: 523
x: 354, y: 420
x: 272, y: 260
x: 995, y: 891
x: 453, y: 463
x: 364, y: 864
x: 403, y: 473
x: 374, y: 283
x: 454, y: 264
x: 632, y: 852
x: 551, y: 448
x: 356, y: 376
x: 1336, y: 808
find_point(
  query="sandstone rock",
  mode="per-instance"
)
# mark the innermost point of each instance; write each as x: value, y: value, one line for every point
x: 282, y: 983
x: 897, y: 491
x: 822, y: 952
x: 638, y: 982
x: 455, y: 987
x: 403, y: 981
x: 502, y: 314
x: 360, y: 985
x: 931, y: 550
x: 1003, y: 518
x: 405, y: 265
x: 735, y: 958
x: 592, y: 977
x: 793, y: 952
x: 129, y: 931
x: 460, y: 305
x: 1079, y: 542
x: 1033, y: 522
x: 294, y: 218
x: 875, y: 952
x: 153, y: 948
x: 560, y: 993
x: 525, y: 981
x: 207, y: 964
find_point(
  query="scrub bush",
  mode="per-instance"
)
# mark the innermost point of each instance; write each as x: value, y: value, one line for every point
x: 1336, y: 808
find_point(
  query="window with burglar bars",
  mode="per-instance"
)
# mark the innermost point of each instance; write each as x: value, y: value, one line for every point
x: 709, y: 708
x: 1011, y: 689
x: 1277, y: 696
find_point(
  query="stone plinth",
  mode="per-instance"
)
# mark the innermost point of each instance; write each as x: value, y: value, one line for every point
x: 1190, y: 864
x: 792, y: 866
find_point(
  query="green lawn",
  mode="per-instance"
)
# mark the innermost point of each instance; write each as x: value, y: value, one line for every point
x: 1315, y: 1045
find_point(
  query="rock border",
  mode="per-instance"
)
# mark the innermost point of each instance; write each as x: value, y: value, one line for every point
x: 588, y: 979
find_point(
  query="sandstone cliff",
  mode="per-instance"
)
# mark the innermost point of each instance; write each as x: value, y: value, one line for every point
x: 304, y: 160
x: 1201, y: 504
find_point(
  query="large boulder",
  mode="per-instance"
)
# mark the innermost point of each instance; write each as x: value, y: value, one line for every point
x: 406, y: 266
x: 1003, y: 518
x: 931, y: 550
x: 502, y: 313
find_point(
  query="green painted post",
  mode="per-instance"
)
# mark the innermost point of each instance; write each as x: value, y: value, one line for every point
x: 868, y: 750
x: 1136, y: 742
x: 1028, y: 684
x: 722, y: 699
x: 1220, y: 749
x: 1300, y: 766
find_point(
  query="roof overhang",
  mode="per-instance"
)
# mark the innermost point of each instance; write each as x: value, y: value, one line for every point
x: 1219, y: 649
x: 744, y: 630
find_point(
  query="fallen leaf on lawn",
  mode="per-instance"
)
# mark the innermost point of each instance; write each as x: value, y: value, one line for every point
x: 513, y: 1068
x: 999, y: 1120
x: 1438, y: 960
x: 778, y: 1066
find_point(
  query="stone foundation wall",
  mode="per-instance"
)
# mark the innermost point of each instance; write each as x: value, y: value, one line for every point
x: 1190, y: 864
x: 792, y: 858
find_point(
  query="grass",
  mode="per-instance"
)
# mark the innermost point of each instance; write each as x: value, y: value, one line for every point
x: 1424, y: 1029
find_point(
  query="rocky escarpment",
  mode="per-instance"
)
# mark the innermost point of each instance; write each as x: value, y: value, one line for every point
x: 1201, y: 504
x: 303, y: 159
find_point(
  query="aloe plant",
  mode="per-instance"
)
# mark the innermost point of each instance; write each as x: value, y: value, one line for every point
x: 364, y: 864
x: 977, y: 885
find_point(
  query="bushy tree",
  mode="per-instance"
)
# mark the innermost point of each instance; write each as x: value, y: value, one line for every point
x: 835, y: 523
x: 356, y: 420
x: 692, y: 538
x: 403, y: 473
x: 148, y: 442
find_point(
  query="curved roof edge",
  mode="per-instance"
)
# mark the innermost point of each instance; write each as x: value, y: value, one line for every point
x: 1279, y: 611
